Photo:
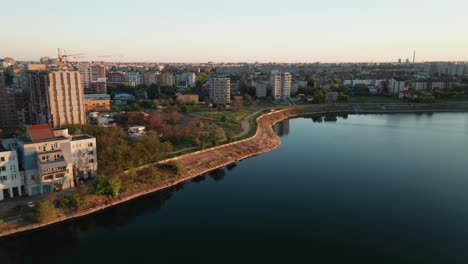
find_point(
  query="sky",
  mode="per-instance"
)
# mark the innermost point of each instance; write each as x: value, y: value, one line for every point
x: 237, y: 30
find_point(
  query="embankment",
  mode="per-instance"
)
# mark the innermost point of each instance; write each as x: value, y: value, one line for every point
x: 265, y: 139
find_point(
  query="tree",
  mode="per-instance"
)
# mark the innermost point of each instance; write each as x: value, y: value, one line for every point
x: 45, y: 212
x: 342, y: 97
x: 319, y: 97
x: 73, y: 201
x: 109, y: 186
x: 361, y: 90
x: 177, y: 167
x: 310, y: 81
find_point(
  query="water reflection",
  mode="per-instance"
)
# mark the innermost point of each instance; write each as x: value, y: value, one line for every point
x: 231, y: 166
x: 282, y: 128
x: 217, y: 174
x: 67, y: 235
x: 199, y: 178
x: 331, y: 117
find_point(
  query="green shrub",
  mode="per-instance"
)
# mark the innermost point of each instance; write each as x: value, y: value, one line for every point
x: 109, y: 186
x: 73, y: 201
x: 45, y: 212
x: 177, y: 167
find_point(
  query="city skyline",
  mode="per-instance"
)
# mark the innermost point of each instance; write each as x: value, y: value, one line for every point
x: 241, y: 31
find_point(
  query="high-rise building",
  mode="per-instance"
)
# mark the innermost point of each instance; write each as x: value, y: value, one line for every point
x: 86, y: 76
x: 220, y: 90
x: 99, y: 72
x: 281, y: 85
x: 8, y: 113
x: 56, y: 98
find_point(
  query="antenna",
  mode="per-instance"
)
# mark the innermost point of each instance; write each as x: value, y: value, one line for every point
x: 414, y: 56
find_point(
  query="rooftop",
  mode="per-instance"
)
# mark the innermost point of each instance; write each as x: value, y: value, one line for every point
x: 40, y: 132
x: 81, y: 137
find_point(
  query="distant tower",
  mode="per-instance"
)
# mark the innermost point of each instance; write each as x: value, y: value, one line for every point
x: 414, y: 56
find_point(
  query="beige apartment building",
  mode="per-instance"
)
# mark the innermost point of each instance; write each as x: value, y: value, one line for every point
x: 281, y: 85
x: 56, y: 98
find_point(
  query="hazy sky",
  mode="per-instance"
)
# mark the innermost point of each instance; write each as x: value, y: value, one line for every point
x: 236, y: 30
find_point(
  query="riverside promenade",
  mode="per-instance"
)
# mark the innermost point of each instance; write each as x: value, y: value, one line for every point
x: 265, y: 139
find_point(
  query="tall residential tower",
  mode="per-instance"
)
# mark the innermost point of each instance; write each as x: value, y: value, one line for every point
x: 56, y: 98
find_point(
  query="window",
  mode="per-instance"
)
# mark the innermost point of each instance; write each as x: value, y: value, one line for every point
x: 3, y: 178
x: 3, y: 168
x: 2, y: 158
x: 91, y: 160
x: 44, y: 148
x: 90, y: 144
x: 33, y: 177
x: 91, y: 152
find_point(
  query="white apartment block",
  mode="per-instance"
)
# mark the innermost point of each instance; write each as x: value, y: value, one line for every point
x: 11, y: 178
x: 220, y: 90
x: 396, y: 85
x: 133, y: 78
x: 281, y: 85
x: 52, y: 160
x: 189, y: 77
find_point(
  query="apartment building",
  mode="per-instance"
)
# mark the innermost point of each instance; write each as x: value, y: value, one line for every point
x: 220, y: 90
x: 396, y: 85
x: 133, y: 78
x: 51, y: 160
x: 56, y: 98
x: 11, y: 178
x: 281, y: 85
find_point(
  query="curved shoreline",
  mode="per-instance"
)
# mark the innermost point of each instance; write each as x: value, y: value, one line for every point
x: 264, y: 140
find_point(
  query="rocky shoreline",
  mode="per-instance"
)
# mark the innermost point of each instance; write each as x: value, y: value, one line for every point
x: 264, y: 140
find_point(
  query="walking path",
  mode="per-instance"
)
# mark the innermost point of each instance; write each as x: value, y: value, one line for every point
x: 265, y: 139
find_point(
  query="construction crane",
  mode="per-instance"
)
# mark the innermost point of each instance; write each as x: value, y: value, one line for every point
x: 63, y: 57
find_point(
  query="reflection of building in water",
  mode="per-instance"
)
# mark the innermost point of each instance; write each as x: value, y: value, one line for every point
x: 282, y: 128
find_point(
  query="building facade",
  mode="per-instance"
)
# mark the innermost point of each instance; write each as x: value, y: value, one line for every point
x: 220, y: 90
x: 11, y: 178
x: 133, y: 78
x: 100, y: 102
x: 56, y: 98
x: 51, y: 160
x: 281, y: 85
x: 86, y: 76
x: 396, y: 85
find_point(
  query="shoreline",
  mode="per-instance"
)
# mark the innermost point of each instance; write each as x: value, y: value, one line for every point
x: 264, y: 140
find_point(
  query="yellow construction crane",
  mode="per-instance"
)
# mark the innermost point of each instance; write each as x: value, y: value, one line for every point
x: 62, y: 57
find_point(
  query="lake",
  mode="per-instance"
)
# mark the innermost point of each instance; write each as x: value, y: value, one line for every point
x: 340, y: 189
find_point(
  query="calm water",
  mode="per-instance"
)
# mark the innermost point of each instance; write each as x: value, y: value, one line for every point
x: 354, y: 189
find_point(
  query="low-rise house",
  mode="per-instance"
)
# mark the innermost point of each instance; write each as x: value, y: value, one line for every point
x: 52, y: 160
x: 98, y: 102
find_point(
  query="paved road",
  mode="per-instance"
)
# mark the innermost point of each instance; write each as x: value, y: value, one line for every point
x: 246, y: 124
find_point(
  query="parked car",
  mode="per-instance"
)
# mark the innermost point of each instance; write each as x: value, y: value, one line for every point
x: 31, y: 204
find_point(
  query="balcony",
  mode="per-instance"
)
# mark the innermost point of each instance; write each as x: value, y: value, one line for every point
x: 50, y: 157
